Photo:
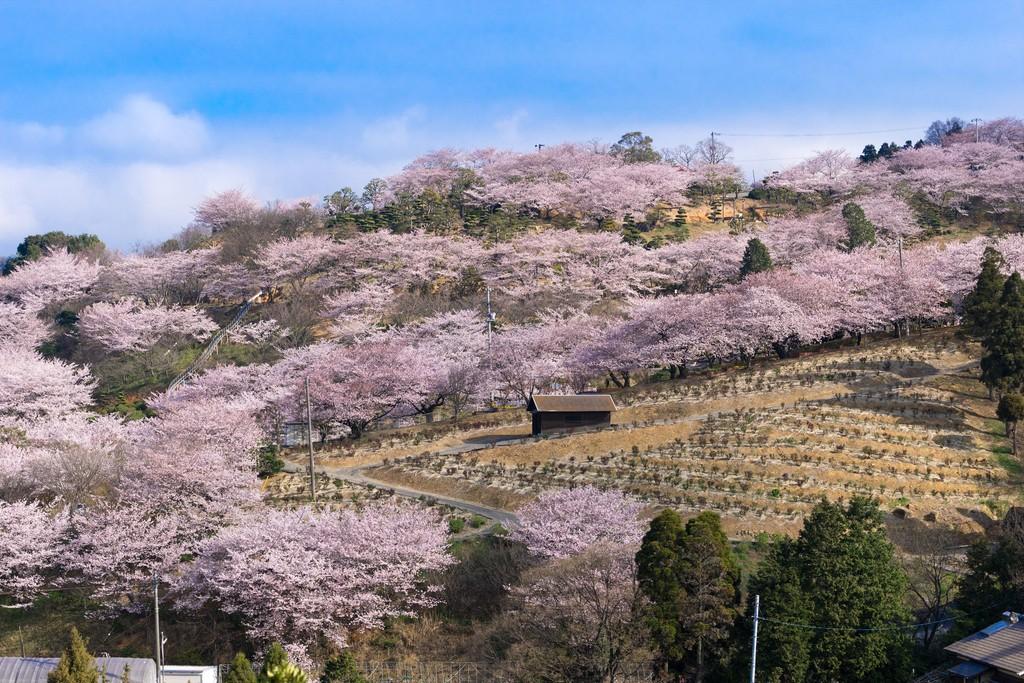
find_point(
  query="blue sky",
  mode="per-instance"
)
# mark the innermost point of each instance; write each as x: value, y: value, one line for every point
x: 118, y: 117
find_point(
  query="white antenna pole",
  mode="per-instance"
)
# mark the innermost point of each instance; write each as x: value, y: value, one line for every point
x: 753, y: 650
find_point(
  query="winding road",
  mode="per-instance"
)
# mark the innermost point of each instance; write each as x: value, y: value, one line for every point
x: 355, y: 475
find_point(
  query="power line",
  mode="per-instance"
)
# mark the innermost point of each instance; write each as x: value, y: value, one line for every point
x: 855, y: 629
x: 818, y: 135
x: 744, y: 161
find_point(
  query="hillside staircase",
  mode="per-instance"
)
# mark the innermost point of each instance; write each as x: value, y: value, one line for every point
x: 211, y: 346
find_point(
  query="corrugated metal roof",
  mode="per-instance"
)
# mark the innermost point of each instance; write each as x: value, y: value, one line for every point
x: 1002, y: 649
x: 35, y: 669
x: 579, y: 403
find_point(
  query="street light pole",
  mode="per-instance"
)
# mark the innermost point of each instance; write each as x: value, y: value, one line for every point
x: 309, y: 435
x: 156, y: 624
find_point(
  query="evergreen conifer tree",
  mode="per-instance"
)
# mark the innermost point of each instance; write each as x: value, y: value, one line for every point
x: 240, y: 671
x: 682, y: 230
x: 76, y: 664
x: 860, y: 232
x: 278, y: 669
x: 630, y: 231
x: 691, y: 579
x: 756, y: 258
x: 981, y: 305
x: 1002, y: 367
x: 841, y: 578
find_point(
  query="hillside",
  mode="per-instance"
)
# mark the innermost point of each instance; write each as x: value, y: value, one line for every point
x: 842, y: 355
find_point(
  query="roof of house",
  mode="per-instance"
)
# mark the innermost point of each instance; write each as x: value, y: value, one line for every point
x: 36, y: 669
x: 1001, y: 646
x: 580, y: 403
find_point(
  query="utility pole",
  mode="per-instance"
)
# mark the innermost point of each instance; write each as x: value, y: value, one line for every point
x: 977, y: 129
x: 490, y: 324
x: 753, y: 649
x: 309, y: 435
x: 156, y: 624
x: 540, y: 146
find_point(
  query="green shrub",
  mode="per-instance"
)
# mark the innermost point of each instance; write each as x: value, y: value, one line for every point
x: 477, y: 521
x: 456, y: 524
x: 268, y: 462
x: 342, y: 669
x: 240, y: 671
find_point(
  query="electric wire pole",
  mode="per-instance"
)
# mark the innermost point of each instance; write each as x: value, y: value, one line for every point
x: 156, y: 624
x: 490, y: 363
x: 309, y: 435
x: 753, y: 649
x: 977, y: 129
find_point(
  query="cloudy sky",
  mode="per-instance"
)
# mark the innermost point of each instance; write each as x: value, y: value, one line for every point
x: 117, y: 118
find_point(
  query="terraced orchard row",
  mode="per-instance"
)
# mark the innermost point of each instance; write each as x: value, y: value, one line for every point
x: 919, y: 444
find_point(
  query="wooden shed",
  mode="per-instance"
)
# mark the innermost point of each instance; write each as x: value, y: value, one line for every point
x: 557, y: 413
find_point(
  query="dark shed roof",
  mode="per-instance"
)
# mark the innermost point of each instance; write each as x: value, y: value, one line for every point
x: 580, y: 403
x: 35, y: 669
x: 1000, y: 646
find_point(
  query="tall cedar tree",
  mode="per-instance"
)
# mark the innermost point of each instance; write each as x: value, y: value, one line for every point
x: 860, y: 232
x: 691, y: 579
x: 76, y: 665
x: 839, y: 574
x: 1002, y: 367
x: 756, y: 258
x: 1011, y: 412
x: 982, y: 303
x: 240, y: 671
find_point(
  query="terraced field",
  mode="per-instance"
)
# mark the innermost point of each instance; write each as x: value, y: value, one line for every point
x: 907, y: 422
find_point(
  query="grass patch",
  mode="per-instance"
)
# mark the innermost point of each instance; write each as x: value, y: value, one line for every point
x: 1004, y: 457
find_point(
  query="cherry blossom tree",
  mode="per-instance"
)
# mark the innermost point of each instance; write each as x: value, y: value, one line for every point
x: 451, y: 349
x: 567, y: 522
x: 35, y: 389
x: 355, y: 386
x: 826, y: 172
x: 296, y: 576
x: 291, y: 263
x: 56, y: 278
x: 129, y: 325
x: 177, y: 277
x: 187, y: 473
x: 224, y: 210
x: 21, y: 327
x: 30, y: 548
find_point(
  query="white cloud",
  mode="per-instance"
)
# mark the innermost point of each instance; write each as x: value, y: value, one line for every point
x: 392, y: 132
x: 509, y: 128
x: 143, y: 127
